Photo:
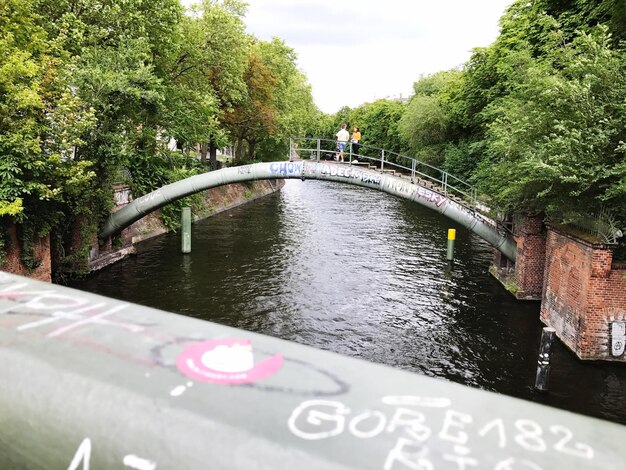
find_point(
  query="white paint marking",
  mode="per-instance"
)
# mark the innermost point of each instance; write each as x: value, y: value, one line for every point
x: 581, y: 450
x: 93, y: 319
x: 82, y: 454
x: 376, y: 430
x: 499, y: 426
x: 178, y: 391
x: 453, y: 422
x: 139, y: 463
x: 328, y: 425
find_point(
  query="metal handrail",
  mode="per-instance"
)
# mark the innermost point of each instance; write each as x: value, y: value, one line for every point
x: 325, y: 149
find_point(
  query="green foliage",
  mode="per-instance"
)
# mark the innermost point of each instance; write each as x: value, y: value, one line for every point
x: 537, y: 118
x: 278, y: 103
x: 380, y: 125
x: 90, y: 88
x: 424, y: 127
x: 171, y: 214
x: 557, y: 139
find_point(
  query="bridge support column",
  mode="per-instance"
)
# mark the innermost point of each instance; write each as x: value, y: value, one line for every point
x: 524, y: 277
x: 530, y: 235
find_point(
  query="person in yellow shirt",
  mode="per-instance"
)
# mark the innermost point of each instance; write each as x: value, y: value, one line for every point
x: 355, y: 140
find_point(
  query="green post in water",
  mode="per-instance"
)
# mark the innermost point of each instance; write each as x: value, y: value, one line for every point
x: 451, y: 237
x: 186, y: 230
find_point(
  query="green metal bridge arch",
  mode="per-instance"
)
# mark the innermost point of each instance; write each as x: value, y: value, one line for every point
x: 410, y: 187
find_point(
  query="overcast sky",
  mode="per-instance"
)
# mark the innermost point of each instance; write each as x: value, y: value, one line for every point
x: 357, y: 51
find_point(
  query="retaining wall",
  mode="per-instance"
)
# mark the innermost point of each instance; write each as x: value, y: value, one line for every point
x: 584, y: 297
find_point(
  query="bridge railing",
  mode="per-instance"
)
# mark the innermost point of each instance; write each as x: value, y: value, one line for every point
x: 308, y: 148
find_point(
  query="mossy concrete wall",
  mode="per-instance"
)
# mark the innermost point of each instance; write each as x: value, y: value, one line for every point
x: 100, y: 255
x: 215, y: 200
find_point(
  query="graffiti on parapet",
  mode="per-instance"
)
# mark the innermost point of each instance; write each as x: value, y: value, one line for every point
x: 415, y: 423
x: 149, y: 197
x: 400, y: 187
x: 286, y: 168
x: 51, y: 306
x: 226, y: 361
x: 244, y: 170
x: 414, y: 191
x: 83, y: 456
x: 350, y: 173
x: 167, y: 354
x: 431, y: 196
x: 54, y: 312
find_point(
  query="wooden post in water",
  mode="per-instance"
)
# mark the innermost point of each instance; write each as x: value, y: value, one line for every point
x: 185, y: 225
x: 451, y: 238
x: 543, y: 364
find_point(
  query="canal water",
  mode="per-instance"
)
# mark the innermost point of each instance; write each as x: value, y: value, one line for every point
x: 363, y: 274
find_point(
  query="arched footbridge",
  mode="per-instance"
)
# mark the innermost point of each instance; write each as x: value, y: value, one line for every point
x: 411, y: 184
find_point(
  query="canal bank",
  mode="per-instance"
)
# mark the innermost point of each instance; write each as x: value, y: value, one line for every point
x: 213, y: 201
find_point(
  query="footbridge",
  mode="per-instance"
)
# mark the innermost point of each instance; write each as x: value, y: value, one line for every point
x: 372, y: 168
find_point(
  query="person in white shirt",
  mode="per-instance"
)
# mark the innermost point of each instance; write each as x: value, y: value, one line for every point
x: 342, y: 138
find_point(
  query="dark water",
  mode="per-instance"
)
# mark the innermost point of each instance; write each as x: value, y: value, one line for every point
x: 363, y: 274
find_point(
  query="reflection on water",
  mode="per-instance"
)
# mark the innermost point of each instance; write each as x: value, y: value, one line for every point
x: 363, y: 274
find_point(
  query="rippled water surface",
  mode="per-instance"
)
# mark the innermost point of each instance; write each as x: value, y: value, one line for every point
x: 363, y: 274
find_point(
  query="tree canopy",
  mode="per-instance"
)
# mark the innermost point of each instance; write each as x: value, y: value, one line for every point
x: 91, y: 90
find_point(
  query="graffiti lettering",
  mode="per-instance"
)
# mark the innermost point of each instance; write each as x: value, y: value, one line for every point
x: 431, y: 196
x: 401, y: 187
x: 286, y: 168
x: 83, y: 454
x: 149, y: 197
x: 55, y: 307
x: 244, y: 170
x: 351, y: 173
x: 453, y: 432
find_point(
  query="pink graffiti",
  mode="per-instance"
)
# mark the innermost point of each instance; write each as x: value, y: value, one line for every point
x: 225, y: 361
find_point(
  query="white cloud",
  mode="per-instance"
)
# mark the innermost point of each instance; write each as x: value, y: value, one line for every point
x: 355, y: 52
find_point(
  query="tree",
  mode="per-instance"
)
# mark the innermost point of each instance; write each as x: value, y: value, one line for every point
x: 221, y: 57
x: 380, y: 125
x: 41, y: 120
x: 425, y: 124
x: 278, y: 102
x: 557, y: 140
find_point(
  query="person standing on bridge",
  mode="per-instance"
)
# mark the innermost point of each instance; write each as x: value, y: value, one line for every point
x: 355, y: 140
x: 342, y: 139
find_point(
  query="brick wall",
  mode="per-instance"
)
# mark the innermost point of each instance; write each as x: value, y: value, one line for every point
x: 583, y: 296
x: 530, y: 237
x: 13, y: 264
